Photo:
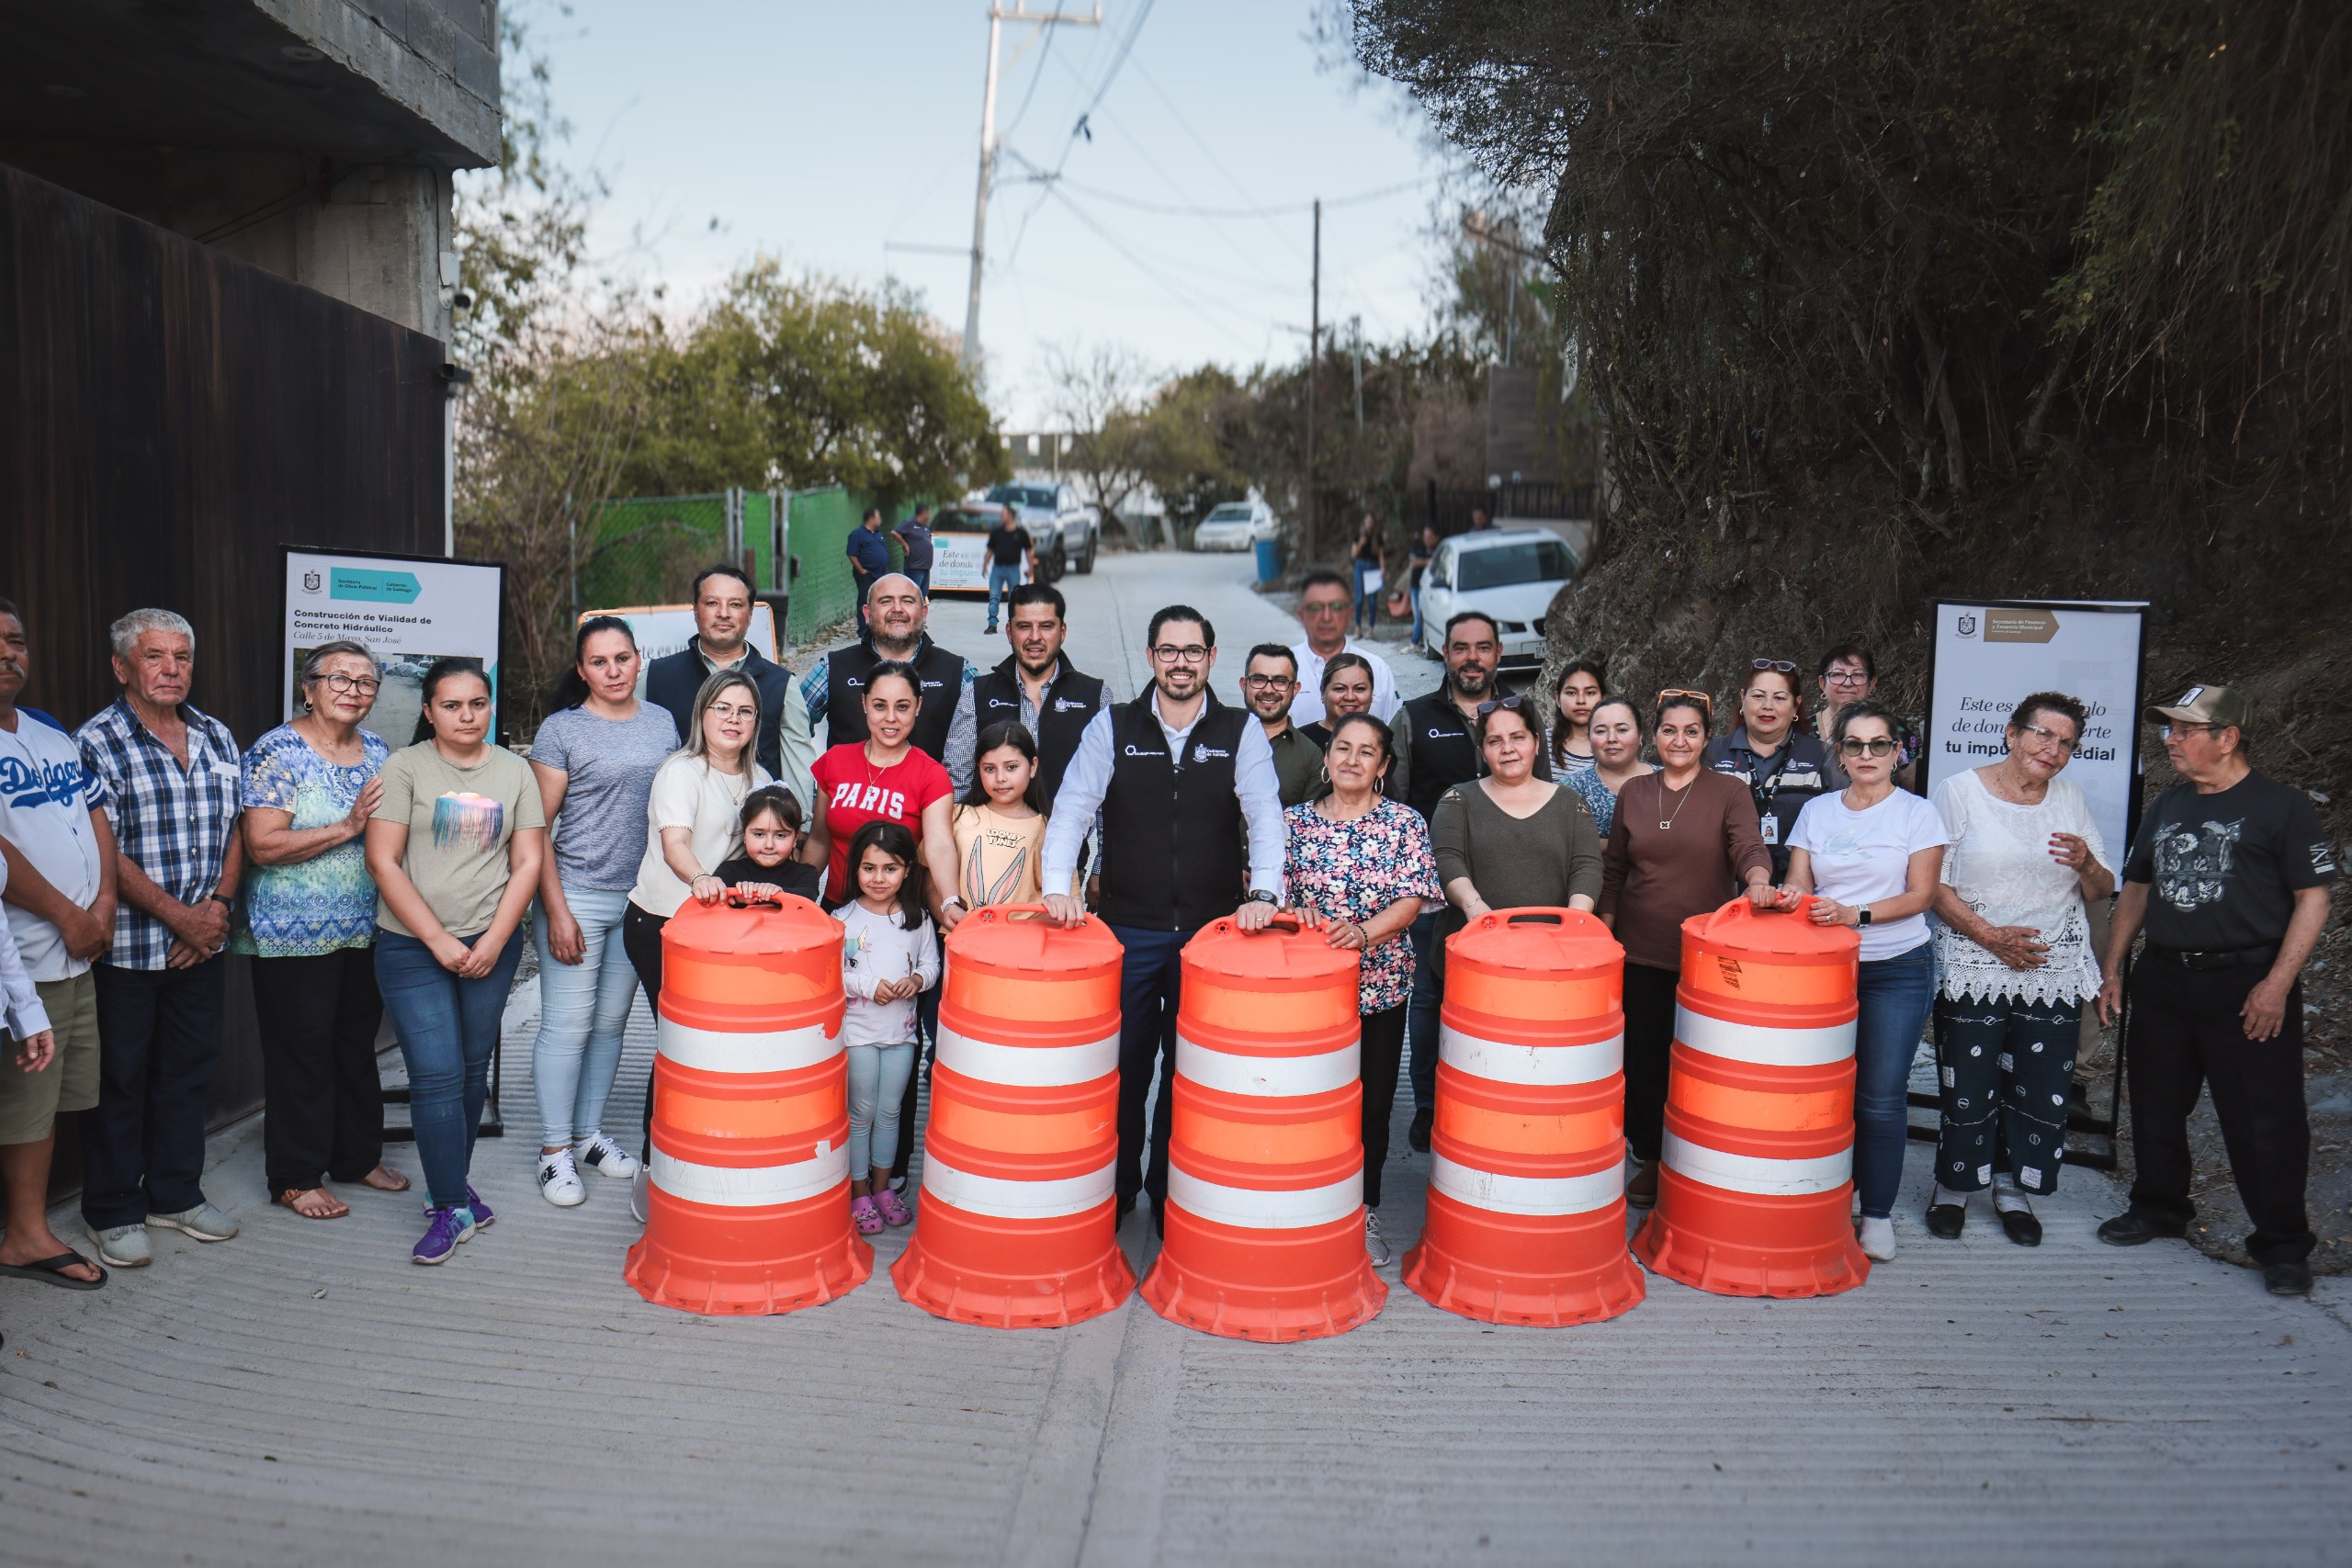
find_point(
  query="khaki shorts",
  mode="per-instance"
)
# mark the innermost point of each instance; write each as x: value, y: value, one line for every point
x: 30, y: 1103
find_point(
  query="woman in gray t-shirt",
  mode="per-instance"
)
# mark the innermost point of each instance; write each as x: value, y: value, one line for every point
x: 594, y: 755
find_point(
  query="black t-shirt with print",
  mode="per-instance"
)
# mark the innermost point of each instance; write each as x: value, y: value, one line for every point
x: 2225, y: 868
x: 1008, y: 545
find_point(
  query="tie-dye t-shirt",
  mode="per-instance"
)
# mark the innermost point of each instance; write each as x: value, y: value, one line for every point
x: 328, y: 902
x: 460, y: 822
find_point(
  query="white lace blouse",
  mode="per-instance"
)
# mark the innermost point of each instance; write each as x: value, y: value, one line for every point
x: 1999, y: 864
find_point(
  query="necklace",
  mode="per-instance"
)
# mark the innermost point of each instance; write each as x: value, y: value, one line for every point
x: 1668, y: 824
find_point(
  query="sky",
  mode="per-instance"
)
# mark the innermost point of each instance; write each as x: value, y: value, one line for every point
x: 833, y: 136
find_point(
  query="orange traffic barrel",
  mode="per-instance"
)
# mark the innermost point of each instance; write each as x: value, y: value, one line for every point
x: 748, y: 1209
x: 1755, y: 1186
x: 1018, y: 1209
x: 1527, y: 1156
x: 1265, y: 1153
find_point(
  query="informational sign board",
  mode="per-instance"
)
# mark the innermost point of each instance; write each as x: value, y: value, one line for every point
x: 1989, y: 654
x: 662, y: 630
x: 408, y: 610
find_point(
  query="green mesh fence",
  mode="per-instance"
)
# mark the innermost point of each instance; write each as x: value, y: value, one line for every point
x: 646, y: 550
x: 824, y: 592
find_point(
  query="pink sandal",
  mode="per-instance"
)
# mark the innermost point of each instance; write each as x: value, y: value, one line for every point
x: 864, y: 1216
x: 894, y: 1208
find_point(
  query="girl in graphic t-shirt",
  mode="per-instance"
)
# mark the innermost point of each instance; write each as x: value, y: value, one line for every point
x: 883, y: 778
x: 1000, y: 830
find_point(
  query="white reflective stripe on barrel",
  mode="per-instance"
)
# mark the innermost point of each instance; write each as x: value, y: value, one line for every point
x: 1541, y: 1065
x: 760, y: 1187
x: 1271, y: 1078
x: 1027, y: 1066
x: 1528, y: 1194
x: 1752, y: 1174
x: 1254, y: 1208
x: 754, y: 1051
x: 999, y: 1198
x: 1762, y: 1044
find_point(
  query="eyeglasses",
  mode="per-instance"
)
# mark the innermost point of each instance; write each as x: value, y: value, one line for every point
x: 1782, y: 665
x: 1511, y: 703
x: 1880, y: 747
x: 366, y: 685
x: 2043, y: 737
x: 1846, y: 678
x: 729, y: 710
x: 1193, y: 654
x: 1267, y: 683
x: 1324, y: 607
x: 2172, y: 731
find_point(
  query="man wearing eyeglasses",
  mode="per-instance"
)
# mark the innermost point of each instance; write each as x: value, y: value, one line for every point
x: 2229, y: 876
x: 1325, y: 602
x: 1269, y: 684
x: 1176, y: 776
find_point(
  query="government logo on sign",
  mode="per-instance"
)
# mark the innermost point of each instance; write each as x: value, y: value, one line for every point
x: 312, y: 582
x: 1968, y: 626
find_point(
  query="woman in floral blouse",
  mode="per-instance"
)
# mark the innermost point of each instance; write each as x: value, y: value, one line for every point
x: 1359, y: 867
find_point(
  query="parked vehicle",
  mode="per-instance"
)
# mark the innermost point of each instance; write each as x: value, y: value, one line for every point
x: 1055, y: 511
x: 959, y: 549
x: 1511, y: 574
x: 1236, y: 525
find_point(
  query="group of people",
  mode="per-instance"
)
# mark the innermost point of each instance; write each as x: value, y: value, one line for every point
x: 368, y: 881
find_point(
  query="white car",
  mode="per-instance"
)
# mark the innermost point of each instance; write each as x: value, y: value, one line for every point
x: 1052, y: 511
x: 1236, y: 525
x: 1510, y: 574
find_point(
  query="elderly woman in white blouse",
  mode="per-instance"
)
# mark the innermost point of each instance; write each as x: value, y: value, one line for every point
x: 2016, y: 966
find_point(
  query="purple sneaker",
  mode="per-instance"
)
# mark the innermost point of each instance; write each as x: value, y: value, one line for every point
x: 449, y: 1227
x: 482, y: 1217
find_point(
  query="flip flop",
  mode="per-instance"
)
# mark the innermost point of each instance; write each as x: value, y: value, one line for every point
x: 51, y: 1271
x: 285, y: 1199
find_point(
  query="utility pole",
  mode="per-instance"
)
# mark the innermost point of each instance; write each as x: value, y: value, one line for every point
x: 1510, y: 296
x: 1314, y: 348
x: 998, y: 17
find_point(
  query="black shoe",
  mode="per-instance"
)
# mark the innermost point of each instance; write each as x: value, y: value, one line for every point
x: 1418, y: 1134
x: 1159, y: 1219
x: 2020, y: 1226
x: 2132, y: 1227
x: 1947, y: 1220
x: 1126, y: 1207
x: 2288, y: 1279
x: 989, y: 630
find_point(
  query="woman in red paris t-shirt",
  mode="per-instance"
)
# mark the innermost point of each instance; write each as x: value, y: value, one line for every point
x: 883, y: 777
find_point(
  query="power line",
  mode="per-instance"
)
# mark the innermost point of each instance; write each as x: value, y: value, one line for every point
x: 1281, y: 210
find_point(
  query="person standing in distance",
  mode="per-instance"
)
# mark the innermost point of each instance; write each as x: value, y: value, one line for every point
x: 1324, y: 604
x: 1011, y: 551
x: 723, y: 607
x: 1176, y: 775
x: 1268, y: 683
x: 915, y: 533
x: 868, y: 552
x: 1436, y: 744
x: 1035, y: 686
x: 2229, y: 876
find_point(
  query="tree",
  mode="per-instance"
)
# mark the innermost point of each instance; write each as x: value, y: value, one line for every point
x: 1100, y: 398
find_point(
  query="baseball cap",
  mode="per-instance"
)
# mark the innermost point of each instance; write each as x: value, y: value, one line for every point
x: 2218, y: 705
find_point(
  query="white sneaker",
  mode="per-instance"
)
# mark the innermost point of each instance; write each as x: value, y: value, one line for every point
x: 599, y: 1153
x: 1383, y: 1255
x: 1878, y: 1239
x: 559, y: 1180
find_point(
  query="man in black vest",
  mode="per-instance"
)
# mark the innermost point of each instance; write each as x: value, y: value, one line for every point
x: 1433, y: 731
x: 1175, y: 775
x: 835, y: 691
x: 723, y: 606
x: 1035, y: 687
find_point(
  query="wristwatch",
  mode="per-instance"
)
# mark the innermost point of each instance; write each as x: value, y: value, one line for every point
x: 1260, y: 896
x: 223, y: 901
x: 1862, y: 915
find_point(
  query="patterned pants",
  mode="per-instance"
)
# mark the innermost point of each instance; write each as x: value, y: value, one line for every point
x: 2004, y: 1065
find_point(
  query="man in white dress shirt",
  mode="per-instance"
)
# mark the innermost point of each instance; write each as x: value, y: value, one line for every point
x: 1324, y: 607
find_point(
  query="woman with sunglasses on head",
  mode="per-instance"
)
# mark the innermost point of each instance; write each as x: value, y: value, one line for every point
x: 2015, y: 966
x: 1849, y: 674
x: 1872, y: 854
x: 1617, y: 733
x: 1684, y: 842
x: 1580, y: 686
x: 1782, y: 766
x: 1348, y: 689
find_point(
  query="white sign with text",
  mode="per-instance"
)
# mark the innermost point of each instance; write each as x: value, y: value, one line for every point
x: 1988, y: 656
x: 408, y: 610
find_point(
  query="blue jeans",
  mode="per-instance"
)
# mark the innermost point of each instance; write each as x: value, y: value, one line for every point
x: 1895, y: 994
x: 583, y: 1008
x: 1002, y: 580
x: 1152, y: 984
x: 448, y: 1028
x: 920, y: 577
x: 1368, y: 586
x: 1420, y: 1012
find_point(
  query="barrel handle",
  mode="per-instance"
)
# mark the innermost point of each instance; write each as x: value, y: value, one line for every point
x: 735, y: 900
x: 1746, y: 908
x: 989, y: 914
x: 1531, y: 914
x: 1282, y: 918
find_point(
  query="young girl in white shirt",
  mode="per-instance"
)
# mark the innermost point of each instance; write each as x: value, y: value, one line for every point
x: 888, y: 959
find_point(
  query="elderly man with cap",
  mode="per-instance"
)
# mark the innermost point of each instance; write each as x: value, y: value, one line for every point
x: 2229, y: 877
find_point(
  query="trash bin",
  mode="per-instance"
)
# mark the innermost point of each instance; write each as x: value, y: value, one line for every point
x: 1269, y: 559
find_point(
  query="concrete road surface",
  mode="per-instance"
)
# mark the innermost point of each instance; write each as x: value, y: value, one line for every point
x: 304, y: 1394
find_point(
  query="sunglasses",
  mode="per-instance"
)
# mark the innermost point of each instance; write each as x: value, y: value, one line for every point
x: 1880, y: 747
x: 1701, y: 698
x: 1782, y: 665
x: 1502, y: 705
